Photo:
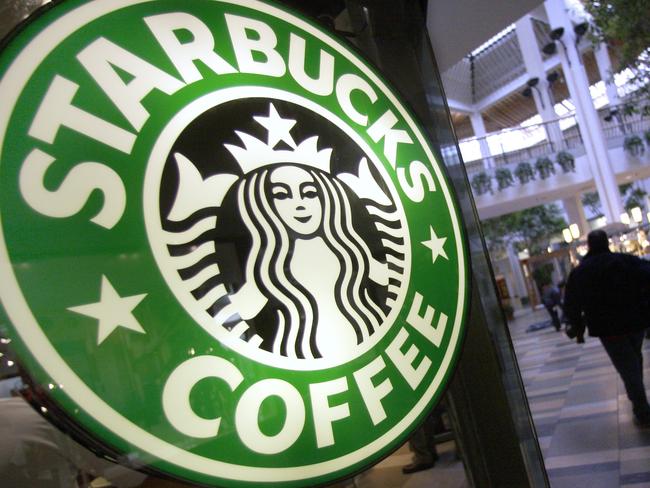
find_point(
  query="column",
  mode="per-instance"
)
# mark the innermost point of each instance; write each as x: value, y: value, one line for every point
x: 535, y: 69
x: 576, y: 213
x: 588, y: 121
x: 478, y: 125
x: 517, y: 273
x: 606, y: 71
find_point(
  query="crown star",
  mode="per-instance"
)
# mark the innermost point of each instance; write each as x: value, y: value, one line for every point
x: 278, y: 127
x: 256, y: 153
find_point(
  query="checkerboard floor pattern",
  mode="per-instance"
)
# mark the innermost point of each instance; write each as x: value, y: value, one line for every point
x: 582, y: 416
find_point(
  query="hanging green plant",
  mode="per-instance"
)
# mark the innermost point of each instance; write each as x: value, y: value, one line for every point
x: 634, y: 145
x: 646, y: 136
x: 481, y: 183
x: 544, y: 167
x: 630, y: 109
x: 566, y: 161
x: 524, y: 173
x: 504, y: 178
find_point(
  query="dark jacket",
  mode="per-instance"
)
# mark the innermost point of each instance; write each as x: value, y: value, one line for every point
x: 551, y: 296
x: 609, y: 293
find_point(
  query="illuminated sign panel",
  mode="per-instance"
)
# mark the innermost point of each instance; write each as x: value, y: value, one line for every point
x: 225, y: 242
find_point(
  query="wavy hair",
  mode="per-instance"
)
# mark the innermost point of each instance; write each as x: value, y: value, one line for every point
x: 268, y: 263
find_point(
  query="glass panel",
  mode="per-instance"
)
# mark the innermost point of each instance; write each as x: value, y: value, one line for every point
x: 483, y: 429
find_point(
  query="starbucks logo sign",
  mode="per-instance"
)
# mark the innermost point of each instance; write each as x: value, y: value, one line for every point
x: 293, y: 252
x: 226, y: 246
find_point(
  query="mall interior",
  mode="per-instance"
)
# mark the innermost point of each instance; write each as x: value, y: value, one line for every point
x: 525, y: 110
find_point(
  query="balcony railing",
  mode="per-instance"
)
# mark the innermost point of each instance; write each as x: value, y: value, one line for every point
x: 537, y: 144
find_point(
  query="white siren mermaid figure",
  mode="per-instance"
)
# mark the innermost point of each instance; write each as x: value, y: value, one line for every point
x: 306, y: 260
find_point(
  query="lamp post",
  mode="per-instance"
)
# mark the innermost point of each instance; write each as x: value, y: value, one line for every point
x: 551, y: 78
x: 556, y: 36
x: 580, y: 30
x: 532, y: 85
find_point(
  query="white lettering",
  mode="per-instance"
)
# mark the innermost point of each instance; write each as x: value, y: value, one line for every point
x: 247, y: 416
x: 183, y: 55
x: 371, y: 394
x: 424, y: 324
x: 347, y: 84
x: 324, y: 84
x: 74, y: 191
x: 383, y: 128
x: 100, y: 59
x: 324, y: 414
x: 419, y: 174
x: 263, y: 42
x: 56, y: 110
x: 404, y: 362
x: 176, y: 394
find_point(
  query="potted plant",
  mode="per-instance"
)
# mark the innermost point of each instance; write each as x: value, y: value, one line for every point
x: 481, y: 183
x: 566, y: 161
x: 524, y: 173
x: 504, y: 178
x: 634, y: 145
x: 544, y: 167
x: 629, y: 109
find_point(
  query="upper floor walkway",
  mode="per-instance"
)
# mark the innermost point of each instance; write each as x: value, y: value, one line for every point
x: 537, y: 170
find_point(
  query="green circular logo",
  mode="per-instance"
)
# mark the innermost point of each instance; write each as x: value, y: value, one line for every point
x: 225, y: 243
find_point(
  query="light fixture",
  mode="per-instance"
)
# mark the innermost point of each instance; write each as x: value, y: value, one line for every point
x: 625, y: 218
x: 552, y: 77
x: 568, y: 238
x: 532, y: 85
x: 575, y: 230
x: 580, y: 30
x: 556, y: 34
x: 532, y: 82
x: 637, y: 215
x: 549, y: 49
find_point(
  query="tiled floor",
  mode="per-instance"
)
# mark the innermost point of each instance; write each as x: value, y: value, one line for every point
x: 582, y: 416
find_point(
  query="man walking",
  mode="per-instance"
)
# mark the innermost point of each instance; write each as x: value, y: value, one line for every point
x: 608, y: 293
x: 550, y: 300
